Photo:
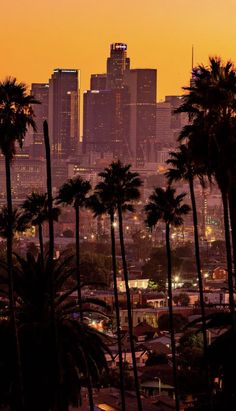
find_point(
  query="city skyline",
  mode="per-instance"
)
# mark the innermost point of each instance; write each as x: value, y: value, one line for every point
x: 78, y: 34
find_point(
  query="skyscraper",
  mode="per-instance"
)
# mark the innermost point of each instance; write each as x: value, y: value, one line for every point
x: 164, y: 131
x: 106, y: 107
x: 97, y: 120
x: 142, y: 84
x: 117, y: 64
x: 64, y: 112
x: 98, y: 82
x: 106, y: 121
x: 41, y: 93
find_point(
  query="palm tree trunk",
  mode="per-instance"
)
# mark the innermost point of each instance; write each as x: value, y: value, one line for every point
x: 114, y: 269
x: 78, y: 278
x: 40, y: 228
x: 11, y: 285
x: 199, y: 273
x: 228, y: 251
x: 77, y: 245
x: 171, y: 318
x: 49, y: 267
x: 130, y: 322
x: 232, y: 208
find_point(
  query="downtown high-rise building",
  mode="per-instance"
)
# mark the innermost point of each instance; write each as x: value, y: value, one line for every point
x: 40, y: 91
x: 64, y: 112
x: 142, y: 86
x: 106, y: 107
x: 117, y: 64
x: 98, y: 82
x: 120, y: 110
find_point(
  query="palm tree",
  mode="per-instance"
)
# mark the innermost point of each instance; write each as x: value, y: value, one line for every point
x: 211, y: 106
x: 74, y: 192
x: 81, y: 348
x: 221, y: 355
x: 100, y: 205
x: 120, y: 187
x: 35, y: 208
x: 20, y: 222
x: 16, y: 115
x: 183, y: 168
x: 165, y: 206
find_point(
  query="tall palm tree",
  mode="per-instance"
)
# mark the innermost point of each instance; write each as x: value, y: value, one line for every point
x: 82, y: 348
x: 16, y: 115
x: 120, y: 187
x: 183, y: 168
x: 75, y: 192
x: 101, y: 204
x: 211, y: 105
x: 35, y: 208
x: 166, y: 207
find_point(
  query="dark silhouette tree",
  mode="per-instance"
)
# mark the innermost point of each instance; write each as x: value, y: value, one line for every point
x: 81, y: 348
x: 35, y: 208
x: 166, y: 207
x: 20, y: 222
x: 16, y: 115
x: 210, y: 104
x: 184, y: 168
x: 75, y: 192
x: 121, y: 188
x: 102, y: 203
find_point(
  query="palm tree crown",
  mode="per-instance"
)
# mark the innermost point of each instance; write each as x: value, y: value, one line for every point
x: 16, y: 114
x: 183, y: 166
x: 120, y: 186
x: 74, y: 192
x: 163, y: 205
x: 82, y: 349
x: 36, y: 207
x: 20, y: 222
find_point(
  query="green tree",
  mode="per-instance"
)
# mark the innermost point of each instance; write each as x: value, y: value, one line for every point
x: 165, y: 206
x: 16, y: 115
x: 120, y: 187
x: 75, y: 192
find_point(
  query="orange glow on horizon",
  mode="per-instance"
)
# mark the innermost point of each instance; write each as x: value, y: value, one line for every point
x: 37, y: 37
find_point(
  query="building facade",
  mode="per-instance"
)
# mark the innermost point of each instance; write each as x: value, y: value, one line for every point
x: 64, y: 112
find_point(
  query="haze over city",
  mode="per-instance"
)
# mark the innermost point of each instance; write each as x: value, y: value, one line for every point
x: 70, y: 33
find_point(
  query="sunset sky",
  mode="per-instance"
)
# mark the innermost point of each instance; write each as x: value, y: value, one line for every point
x: 38, y: 36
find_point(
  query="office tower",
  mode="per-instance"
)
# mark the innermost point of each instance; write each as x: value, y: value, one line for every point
x: 64, y: 112
x: 142, y: 84
x: 106, y: 121
x: 106, y: 108
x: 98, y: 82
x: 164, y: 131
x: 178, y: 121
x: 40, y: 91
x: 97, y: 120
x: 117, y: 64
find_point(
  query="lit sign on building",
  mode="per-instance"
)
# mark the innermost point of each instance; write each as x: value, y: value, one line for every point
x: 119, y: 46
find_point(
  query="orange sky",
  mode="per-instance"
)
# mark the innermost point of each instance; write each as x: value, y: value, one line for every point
x: 38, y: 36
